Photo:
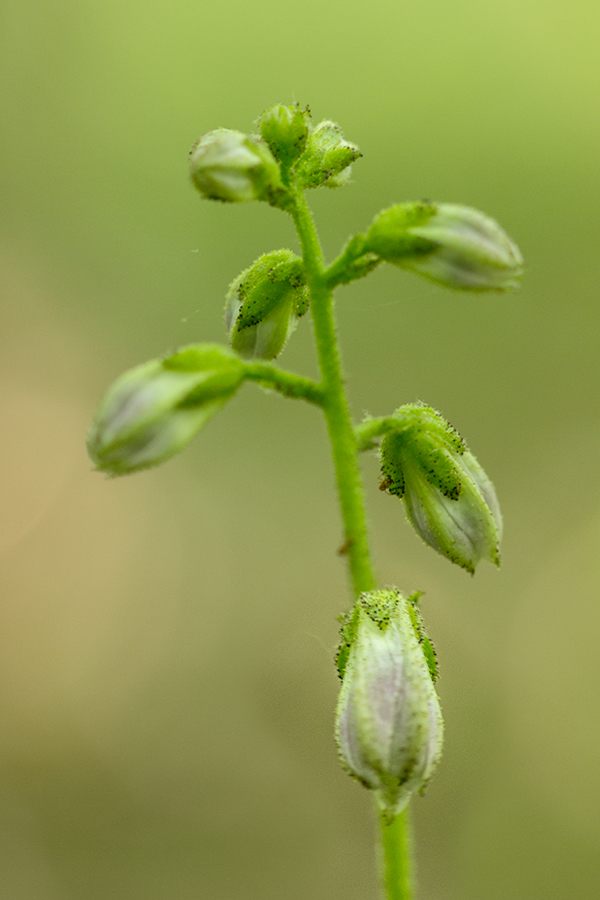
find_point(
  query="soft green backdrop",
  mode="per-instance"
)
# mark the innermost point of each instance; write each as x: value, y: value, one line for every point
x: 167, y: 686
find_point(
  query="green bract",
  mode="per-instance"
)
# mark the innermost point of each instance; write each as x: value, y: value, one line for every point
x: 454, y: 245
x: 264, y: 304
x: 231, y: 166
x: 389, y: 727
x: 449, y: 500
x: 154, y: 410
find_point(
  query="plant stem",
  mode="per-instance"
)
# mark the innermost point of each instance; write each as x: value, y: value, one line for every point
x: 395, y: 842
x: 335, y: 404
x: 287, y: 383
x: 345, y: 449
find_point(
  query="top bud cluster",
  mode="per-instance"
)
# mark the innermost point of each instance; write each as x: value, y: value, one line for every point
x: 231, y: 166
x: 452, y: 245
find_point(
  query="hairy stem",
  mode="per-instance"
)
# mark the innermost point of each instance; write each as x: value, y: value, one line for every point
x: 335, y: 405
x: 287, y: 383
x: 370, y: 429
x: 345, y: 449
x: 395, y: 843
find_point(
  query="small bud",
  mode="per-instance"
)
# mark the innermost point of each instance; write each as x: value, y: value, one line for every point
x: 231, y: 166
x: 389, y: 727
x: 327, y: 157
x: 264, y: 304
x: 449, y: 500
x: 285, y: 129
x: 154, y: 410
x: 453, y: 245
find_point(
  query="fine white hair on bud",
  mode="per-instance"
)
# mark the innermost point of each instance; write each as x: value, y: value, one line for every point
x: 152, y: 412
x: 449, y: 500
x: 454, y: 245
x: 389, y: 727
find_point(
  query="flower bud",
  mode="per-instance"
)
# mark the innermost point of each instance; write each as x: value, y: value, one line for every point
x: 449, y: 500
x: 285, y: 129
x: 389, y: 727
x: 327, y: 157
x: 264, y: 304
x: 154, y: 410
x: 453, y: 245
x: 231, y: 166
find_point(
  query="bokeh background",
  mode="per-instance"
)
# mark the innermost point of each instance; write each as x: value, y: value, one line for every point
x: 166, y: 640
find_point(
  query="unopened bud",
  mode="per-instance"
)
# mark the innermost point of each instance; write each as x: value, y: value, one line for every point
x: 154, y: 410
x: 264, y: 304
x: 449, y: 500
x: 231, y: 166
x: 327, y: 158
x: 389, y: 727
x: 285, y: 129
x: 456, y: 246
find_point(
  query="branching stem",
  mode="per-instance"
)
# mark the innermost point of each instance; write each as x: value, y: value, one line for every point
x: 287, y: 383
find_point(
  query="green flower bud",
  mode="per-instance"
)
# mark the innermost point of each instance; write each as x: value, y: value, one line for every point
x: 453, y: 245
x: 389, y: 727
x: 154, y: 410
x: 264, y: 304
x: 285, y: 129
x: 449, y: 500
x: 327, y: 157
x: 231, y: 166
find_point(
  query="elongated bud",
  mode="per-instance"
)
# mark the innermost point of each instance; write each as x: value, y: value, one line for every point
x: 456, y: 246
x: 449, y: 500
x: 327, y: 158
x: 231, y: 166
x: 264, y: 304
x: 285, y: 129
x: 389, y: 727
x: 154, y: 410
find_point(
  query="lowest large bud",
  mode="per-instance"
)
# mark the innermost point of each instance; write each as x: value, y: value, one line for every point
x: 152, y: 412
x: 264, y: 304
x: 456, y: 246
x: 231, y: 166
x: 389, y: 727
x: 449, y: 500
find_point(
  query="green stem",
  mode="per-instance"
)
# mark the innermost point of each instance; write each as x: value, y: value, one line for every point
x: 335, y: 404
x: 370, y: 429
x: 344, y: 445
x: 395, y: 842
x: 287, y: 383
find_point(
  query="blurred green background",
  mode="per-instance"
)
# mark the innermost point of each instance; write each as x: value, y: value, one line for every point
x: 167, y: 687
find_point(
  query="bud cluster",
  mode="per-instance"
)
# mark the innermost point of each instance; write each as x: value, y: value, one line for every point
x: 231, y: 166
x: 449, y: 500
x: 389, y: 727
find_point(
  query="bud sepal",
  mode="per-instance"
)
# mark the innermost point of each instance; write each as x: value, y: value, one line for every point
x: 285, y: 129
x: 327, y: 158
